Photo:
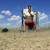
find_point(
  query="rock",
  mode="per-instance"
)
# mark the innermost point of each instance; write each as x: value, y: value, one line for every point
x: 5, y: 30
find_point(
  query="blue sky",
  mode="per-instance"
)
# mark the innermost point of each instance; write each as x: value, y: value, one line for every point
x: 15, y: 7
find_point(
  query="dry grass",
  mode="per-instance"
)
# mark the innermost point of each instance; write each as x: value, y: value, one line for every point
x: 14, y: 40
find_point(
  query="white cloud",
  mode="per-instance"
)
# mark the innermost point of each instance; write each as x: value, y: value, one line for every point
x: 6, y: 12
x: 8, y: 24
x: 0, y: 25
x: 46, y: 24
x: 19, y: 23
x: 43, y: 16
x: 3, y: 11
x: 14, y: 17
x: 17, y: 19
x: 1, y: 16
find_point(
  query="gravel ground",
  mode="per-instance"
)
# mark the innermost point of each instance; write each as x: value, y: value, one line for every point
x: 25, y: 41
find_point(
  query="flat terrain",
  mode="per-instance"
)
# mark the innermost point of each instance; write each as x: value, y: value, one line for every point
x: 25, y: 41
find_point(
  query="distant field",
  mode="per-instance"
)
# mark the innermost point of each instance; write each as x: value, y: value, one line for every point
x: 16, y: 40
